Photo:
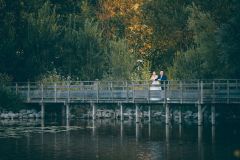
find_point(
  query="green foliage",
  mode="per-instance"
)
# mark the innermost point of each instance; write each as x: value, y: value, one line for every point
x: 43, y: 32
x: 146, y: 71
x: 168, y: 19
x: 141, y: 72
x: 83, y: 54
x: 187, y: 65
x: 52, y: 77
x: 5, y: 79
x: 121, y: 61
x: 47, y: 40
x: 9, y: 100
x: 197, y: 62
x: 228, y: 38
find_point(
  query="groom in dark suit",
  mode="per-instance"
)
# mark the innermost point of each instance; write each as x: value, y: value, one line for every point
x: 162, y: 78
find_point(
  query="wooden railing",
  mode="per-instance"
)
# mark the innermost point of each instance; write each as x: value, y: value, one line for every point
x: 182, y: 92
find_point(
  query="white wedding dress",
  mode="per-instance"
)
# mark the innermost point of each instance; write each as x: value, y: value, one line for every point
x: 155, y: 89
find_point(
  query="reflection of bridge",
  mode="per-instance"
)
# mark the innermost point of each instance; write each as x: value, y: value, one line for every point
x: 137, y: 92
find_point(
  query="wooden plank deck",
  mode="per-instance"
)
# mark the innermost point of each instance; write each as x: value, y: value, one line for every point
x: 175, y: 92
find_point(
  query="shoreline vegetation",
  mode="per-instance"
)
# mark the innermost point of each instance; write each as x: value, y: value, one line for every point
x: 9, y: 100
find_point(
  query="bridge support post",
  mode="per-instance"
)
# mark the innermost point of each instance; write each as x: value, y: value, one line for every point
x: 213, y: 134
x: 137, y: 114
x: 93, y: 111
x: 149, y: 113
x: 167, y: 130
x: 180, y: 115
x: 137, y: 131
x: 200, y: 132
x: 63, y: 111
x: 213, y: 113
x: 42, y: 111
x: 167, y: 109
x: 200, y: 115
x: 121, y: 112
x: 67, y: 111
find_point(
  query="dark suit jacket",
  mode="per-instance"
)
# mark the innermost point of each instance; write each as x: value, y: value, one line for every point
x: 162, y: 79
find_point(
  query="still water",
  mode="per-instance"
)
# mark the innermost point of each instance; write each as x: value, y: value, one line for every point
x: 115, y: 140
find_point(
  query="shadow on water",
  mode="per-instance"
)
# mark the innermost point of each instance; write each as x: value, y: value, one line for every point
x: 114, y: 139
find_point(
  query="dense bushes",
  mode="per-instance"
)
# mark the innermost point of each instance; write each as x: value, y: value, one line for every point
x: 9, y: 100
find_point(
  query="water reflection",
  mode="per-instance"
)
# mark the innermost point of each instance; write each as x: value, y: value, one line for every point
x: 213, y: 141
x: 121, y: 131
x: 180, y: 141
x: 180, y: 131
x: 149, y: 130
x: 200, y: 145
x: 213, y: 134
x: 167, y: 128
x: 113, y: 140
x: 67, y: 124
x: 137, y: 131
x: 93, y: 128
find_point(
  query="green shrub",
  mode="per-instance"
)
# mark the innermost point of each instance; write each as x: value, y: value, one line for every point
x: 5, y: 79
x: 53, y: 77
x: 9, y: 100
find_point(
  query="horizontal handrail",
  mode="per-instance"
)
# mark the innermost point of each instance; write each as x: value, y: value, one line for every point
x: 173, y: 91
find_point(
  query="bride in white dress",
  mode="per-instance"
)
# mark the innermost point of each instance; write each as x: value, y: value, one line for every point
x: 154, y: 78
x: 155, y: 86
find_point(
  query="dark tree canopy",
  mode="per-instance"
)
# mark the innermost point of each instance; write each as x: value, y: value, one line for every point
x: 103, y: 39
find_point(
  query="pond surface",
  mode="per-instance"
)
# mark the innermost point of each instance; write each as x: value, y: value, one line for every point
x: 113, y: 140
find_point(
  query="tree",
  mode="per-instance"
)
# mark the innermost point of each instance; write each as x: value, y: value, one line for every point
x: 124, y: 19
x: 200, y: 61
x: 121, y: 61
x: 43, y: 32
x: 228, y: 38
x: 168, y: 20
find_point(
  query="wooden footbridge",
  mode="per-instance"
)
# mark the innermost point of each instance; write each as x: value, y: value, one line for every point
x: 197, y: 92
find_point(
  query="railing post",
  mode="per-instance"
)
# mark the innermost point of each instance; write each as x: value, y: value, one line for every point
x: 55, y: 92
x: 181, y: 90
x: 198, y: 91
x: 121, y: 112
x: 228, y: 91
x: 133, y: 92
x: 16, y: 88
x: 82, y: 90
x: 68, y: 87
x: 165, y: 92
x: 127, y: 98
x: 214, y: 92
x: 148, y: 85
x: 28, y: 92
x: 111, y: 87
x: 97, y: 89
x: 42, y: 91
x: 201, y: 95
x: 149, y: 113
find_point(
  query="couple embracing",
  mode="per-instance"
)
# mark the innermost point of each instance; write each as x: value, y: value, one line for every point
x: 156, y: 80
